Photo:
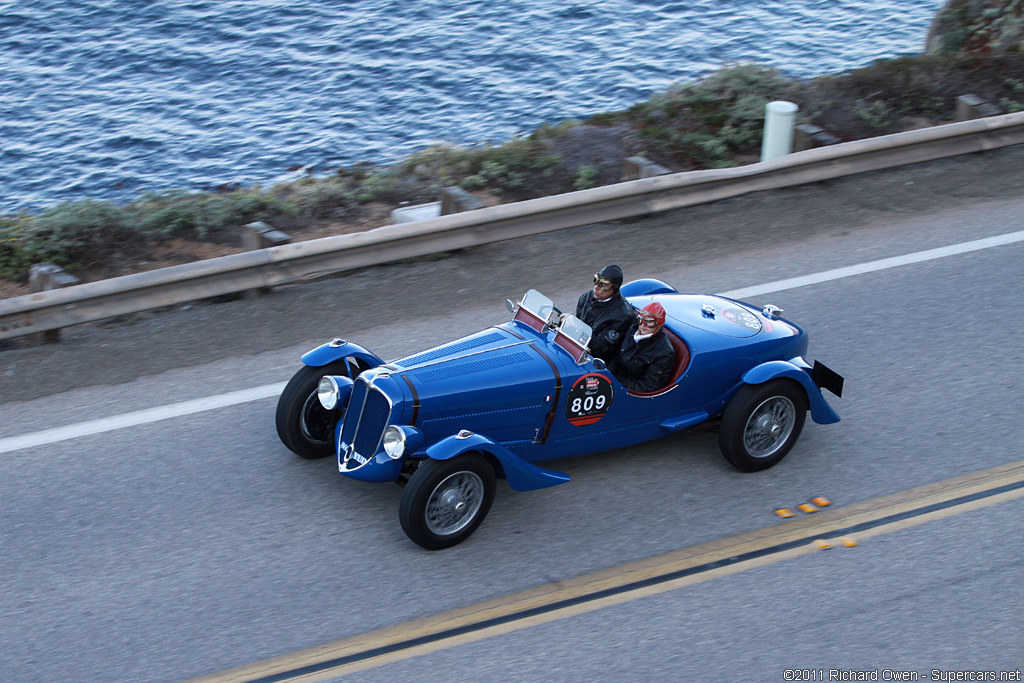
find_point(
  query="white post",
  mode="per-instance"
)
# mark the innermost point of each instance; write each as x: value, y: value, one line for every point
x: 779, y: 121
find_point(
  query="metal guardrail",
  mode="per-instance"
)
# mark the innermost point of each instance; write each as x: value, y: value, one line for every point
x: 313, y: 259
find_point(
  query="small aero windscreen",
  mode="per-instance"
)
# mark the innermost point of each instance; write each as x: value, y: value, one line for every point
x: 534, y: 310
x: 574, y: 337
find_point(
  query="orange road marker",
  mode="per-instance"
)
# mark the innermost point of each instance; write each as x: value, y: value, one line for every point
x: 808, y: 508
x: 784, y: 513
x: 821, y: 501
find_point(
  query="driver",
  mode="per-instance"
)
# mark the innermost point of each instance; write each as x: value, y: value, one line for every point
x: 606, y: 311
x: 647, y: 357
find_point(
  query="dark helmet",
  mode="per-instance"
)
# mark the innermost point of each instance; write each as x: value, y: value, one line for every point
x: 609, y: 274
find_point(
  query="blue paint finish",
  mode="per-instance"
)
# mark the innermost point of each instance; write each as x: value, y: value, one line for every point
x: 646, y: 286
x: 380, y: 469
x: 512, y: 387
x: 325, y: 353
x: 674, y: 424
x: 821, y: 411
x: 521, y: 475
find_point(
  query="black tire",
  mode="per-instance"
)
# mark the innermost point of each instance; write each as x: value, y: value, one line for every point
x: 761, y: 424
x: 305, y: 426
x: 430, y: 509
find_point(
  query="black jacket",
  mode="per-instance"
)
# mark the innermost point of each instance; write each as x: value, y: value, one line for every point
x: 608, y: 319
x: 645, y: 365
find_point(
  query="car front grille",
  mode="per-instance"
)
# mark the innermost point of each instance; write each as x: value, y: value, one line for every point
x: 365, y: 421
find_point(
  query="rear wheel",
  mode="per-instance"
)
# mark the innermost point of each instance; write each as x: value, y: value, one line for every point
x: 446, y: 500
x: 303, y: 424
x: 761, y: 424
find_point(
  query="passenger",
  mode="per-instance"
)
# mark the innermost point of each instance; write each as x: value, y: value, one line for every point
x: 647, y: 357
x: 607, y: 313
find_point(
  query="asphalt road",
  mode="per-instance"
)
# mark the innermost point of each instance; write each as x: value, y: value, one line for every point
x: 189, y: 545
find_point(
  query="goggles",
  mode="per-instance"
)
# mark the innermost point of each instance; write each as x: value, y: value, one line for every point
x: 602, y: 283
x: 646, y: 320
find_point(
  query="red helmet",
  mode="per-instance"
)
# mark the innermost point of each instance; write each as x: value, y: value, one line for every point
x: 653, y: 315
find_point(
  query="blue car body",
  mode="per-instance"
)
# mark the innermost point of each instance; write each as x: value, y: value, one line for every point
x: 523, y: 392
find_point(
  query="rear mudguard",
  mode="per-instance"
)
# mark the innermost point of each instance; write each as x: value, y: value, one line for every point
x: 821, y: 411
x: 338, y: 349
x: 646, y: 287
x: 521, y: 475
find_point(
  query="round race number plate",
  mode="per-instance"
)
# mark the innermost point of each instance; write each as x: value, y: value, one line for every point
x: 589, y: 399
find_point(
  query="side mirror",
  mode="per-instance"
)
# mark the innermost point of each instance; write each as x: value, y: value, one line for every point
x: 599, y: 363
x: 510, y: 305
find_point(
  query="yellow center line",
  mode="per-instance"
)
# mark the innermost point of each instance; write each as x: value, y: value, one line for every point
x: 671, y: 571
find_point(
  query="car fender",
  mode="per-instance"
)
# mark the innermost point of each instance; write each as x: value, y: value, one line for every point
x: 521, y: 475
x: 646, y: 287
x: 336, y: 350
x: 821, y: 411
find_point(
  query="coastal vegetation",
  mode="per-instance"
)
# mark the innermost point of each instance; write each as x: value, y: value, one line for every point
x: 713, y: 122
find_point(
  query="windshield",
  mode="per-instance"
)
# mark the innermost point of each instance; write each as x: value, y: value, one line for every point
x: 538, y: 304
x: 575, y: 329
x: 539, y: 312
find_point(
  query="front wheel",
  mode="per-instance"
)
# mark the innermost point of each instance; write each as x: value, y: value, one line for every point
x: 303, y: 424
x: 761, y: 424
x: 446, y: 500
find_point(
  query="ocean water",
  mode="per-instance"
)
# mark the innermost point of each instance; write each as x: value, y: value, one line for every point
x: 107, y: 98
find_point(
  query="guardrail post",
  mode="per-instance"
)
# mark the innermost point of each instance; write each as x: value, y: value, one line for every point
x: 973, y: 107
x: 807, y: 136
x: 42, y: 277
x: 455, y: 199
x: 635, y: 168
x: 417, y: 212
x: 260, y: 235
x: 779, y: 121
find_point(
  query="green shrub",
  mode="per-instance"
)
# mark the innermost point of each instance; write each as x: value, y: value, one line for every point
x: 15, y: 259
x: 75, y: 234
x: 380, y: 186
x: 440, y: 159
x: 473, y: 182
x: 875, y: 115
x: 707, y: 121
x: 198, y: 214
x: 319, y: 199
x: 586, y: 177
x: 1010, y: 106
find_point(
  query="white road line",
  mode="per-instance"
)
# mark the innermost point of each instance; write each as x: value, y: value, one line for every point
x: 141, y: 417
x: 872, y: 266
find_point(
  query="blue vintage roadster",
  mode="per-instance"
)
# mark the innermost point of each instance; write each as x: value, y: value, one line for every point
x: 447, y: 422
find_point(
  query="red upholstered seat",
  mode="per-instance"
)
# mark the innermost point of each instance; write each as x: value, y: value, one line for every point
x: 682, y: 360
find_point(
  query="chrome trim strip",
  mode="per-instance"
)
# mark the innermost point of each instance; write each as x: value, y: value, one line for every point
x: 391, y: 412
x: 342, y: 460
x: 466, y: 355
x: 387, y: 422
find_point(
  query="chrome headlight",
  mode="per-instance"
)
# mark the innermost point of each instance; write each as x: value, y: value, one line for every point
x: 394, y: 442
x: 327, y: 391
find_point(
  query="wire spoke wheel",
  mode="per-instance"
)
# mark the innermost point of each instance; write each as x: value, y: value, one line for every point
x: 454, y: 503
x: 446, y: 500
x: 761, y: 424
x: 769, y: 426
